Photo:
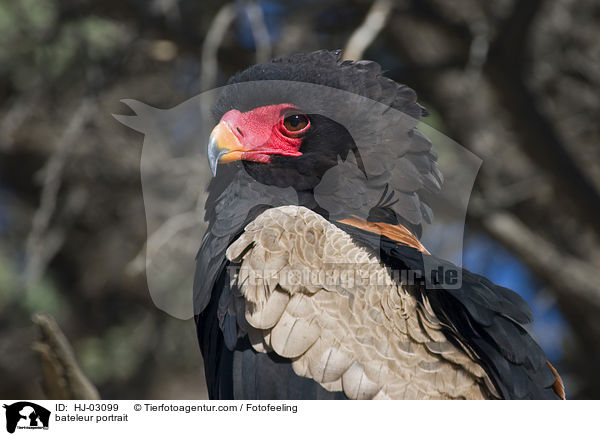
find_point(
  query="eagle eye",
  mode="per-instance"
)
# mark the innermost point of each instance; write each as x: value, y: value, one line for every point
x: 295, y: 123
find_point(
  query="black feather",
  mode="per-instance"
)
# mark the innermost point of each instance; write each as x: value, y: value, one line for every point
x: 486, y: 318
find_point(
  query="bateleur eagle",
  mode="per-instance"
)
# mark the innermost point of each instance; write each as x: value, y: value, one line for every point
x: 270, y: 321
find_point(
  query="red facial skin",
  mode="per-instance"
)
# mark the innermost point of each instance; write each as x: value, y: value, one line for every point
x: 262, y: 133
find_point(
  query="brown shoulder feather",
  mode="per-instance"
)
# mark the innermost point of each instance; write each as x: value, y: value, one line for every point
x: 558, y: 385
x: 396, y: 232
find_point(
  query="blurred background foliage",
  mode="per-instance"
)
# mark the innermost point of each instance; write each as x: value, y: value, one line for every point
x: 515, y: 82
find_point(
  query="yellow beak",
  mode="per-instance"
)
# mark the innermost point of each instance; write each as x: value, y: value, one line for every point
x: 223, y: 146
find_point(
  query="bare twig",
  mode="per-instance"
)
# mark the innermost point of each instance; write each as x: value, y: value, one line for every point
x: 63, y: 379
x: 41, y: 245
x: 260, y: 33
x: 215, y: 35
x: 14, y: 118
x: 160, y: 237
x: 478, y: 51
x: 366, y: 33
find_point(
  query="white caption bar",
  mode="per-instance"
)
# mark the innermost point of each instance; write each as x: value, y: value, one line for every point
x: 308, y: 418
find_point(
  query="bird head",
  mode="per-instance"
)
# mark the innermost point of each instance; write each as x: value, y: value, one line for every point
x: 279, y: 144
x: 257, y: 135
x: 290, y: 122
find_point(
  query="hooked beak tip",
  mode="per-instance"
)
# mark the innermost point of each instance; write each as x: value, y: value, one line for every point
x: 223, y: 146
x: 214, y: 154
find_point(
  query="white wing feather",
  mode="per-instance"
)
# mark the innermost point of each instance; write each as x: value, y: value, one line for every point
x: 314, y: 296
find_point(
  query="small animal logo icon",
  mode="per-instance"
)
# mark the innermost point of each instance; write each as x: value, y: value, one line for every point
x: 26, y: 415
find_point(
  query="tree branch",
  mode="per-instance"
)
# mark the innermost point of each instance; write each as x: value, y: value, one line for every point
x: 63, y: 378
x: 41, y: 244
x: 366, y: 33
x: 215, y: 35
x: 565, y: 274
x: 260, y: 33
